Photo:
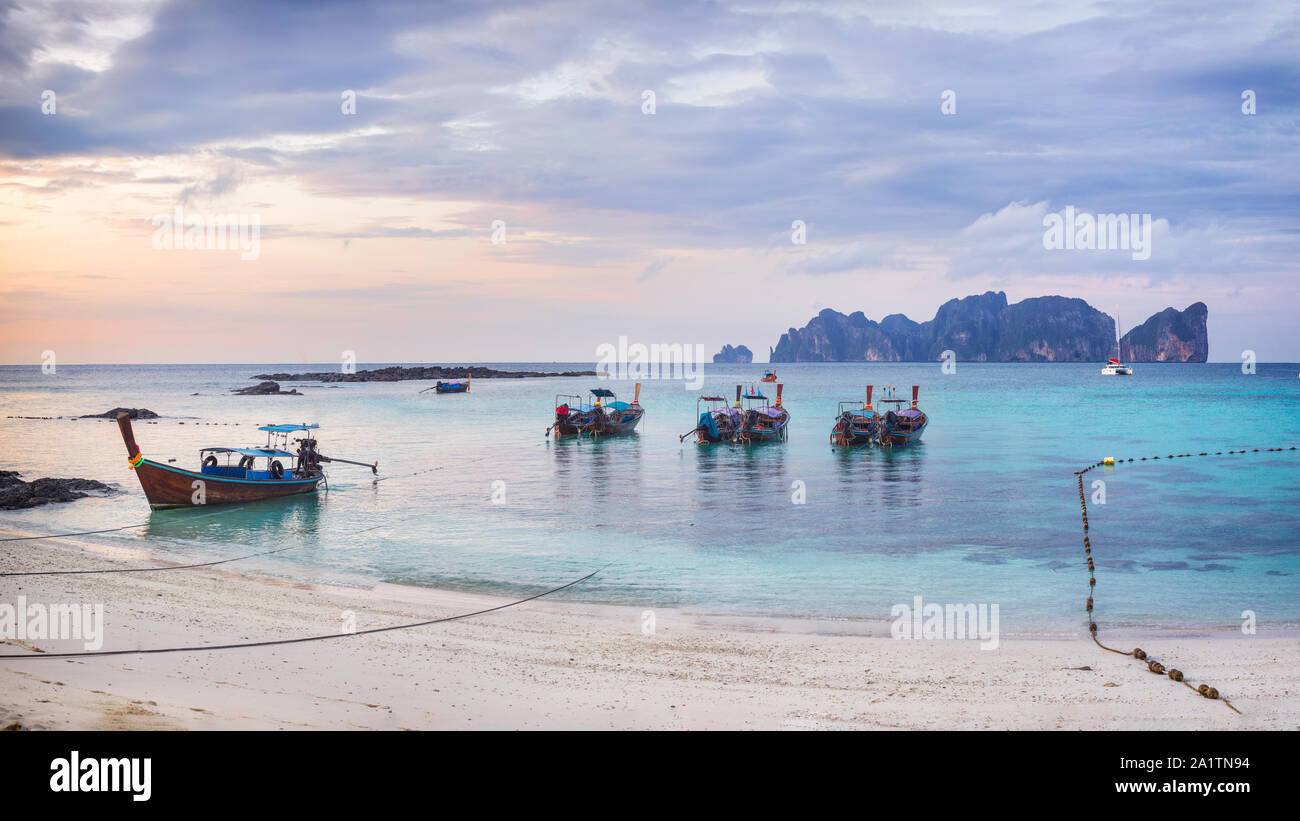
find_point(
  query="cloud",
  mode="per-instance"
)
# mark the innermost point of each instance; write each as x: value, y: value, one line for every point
x: 766, y: 113
x: 653, y: 269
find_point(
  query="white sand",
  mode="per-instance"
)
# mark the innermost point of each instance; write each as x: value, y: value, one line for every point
x: 552, y: 664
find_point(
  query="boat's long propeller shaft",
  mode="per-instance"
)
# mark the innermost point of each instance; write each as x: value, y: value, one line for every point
x: 374, y: 468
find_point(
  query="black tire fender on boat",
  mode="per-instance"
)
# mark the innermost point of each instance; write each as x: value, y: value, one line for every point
x: 277, y: 470
x: 891, y: 419
x: 210, y: 462
x: 246, y: 462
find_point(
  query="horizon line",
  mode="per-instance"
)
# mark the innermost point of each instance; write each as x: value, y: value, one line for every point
x: 486, y: 362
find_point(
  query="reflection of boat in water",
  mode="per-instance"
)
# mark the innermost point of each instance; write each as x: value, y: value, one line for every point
x: 901, y: 426
x: 769, y: 376
x: 257, y: 524
x: 261, y: 473
x: 763, y: 423
x: 856, y: 423
x: 718, y: 422
x: 604, y: 415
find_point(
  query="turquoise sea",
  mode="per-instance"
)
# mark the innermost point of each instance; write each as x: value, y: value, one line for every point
x: 984, y: 511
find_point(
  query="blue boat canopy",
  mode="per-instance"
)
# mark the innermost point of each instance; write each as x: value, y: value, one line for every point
x: 254, y: 452
x: 287, y: 428
x: 601, y: 392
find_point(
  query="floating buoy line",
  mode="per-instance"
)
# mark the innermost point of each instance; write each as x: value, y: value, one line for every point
x: 1138, y: 653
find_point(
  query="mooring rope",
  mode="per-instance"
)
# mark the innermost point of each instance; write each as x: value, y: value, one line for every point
x: 157, y: 568
x: 66, y: 535
x: 301, y: 640
x: 1138, y: 653
x: 113, y: 529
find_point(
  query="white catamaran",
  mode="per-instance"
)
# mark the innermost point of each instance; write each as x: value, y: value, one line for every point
x: 1114, y: 367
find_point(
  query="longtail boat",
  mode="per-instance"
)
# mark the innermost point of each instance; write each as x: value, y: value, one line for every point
x: 856, y: 423
x: 459, y: 386
x: 763, y: 423
x: 261, y: 472
x: 901, y: 426
x: 769, y: 376
x: 718, y: 422
x: 601, y: 415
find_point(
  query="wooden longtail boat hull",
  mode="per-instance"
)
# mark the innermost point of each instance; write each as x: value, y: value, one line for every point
x: 167, y: 487
x: 766, y: 423
x: 614, y: 423
x: 573, y: 424
x: 706, y: 437
x: 459, y: 386
x: 897, y: 438
x: 858, y: 430
x: 903, y: 428
x: 765, y: 430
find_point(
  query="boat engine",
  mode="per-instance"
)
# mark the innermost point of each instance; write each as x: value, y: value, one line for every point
x: 308, y: 458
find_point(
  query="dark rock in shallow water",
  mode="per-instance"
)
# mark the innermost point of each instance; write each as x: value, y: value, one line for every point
x: 16, y: 494
x: 265, y: 389
x: 134, y: 413
x: 397, y: 373
x: 738, y: 354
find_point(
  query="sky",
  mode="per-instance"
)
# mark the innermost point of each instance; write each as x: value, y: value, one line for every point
x: 529, y: 181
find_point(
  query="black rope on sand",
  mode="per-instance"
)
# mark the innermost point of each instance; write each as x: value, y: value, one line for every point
x: 157, y: 568
x: 113, y: 529
x: 302, y: 640
x: 65, y: 535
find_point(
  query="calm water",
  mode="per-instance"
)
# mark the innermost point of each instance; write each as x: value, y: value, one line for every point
x: 985, y: 510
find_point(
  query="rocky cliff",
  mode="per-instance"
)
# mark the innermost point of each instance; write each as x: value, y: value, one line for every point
x: 981, y: 328
x: 737, y: 354
x: 1170, y: 336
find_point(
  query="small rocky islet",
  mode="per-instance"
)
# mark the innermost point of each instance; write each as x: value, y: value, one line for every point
x: 397, y: 373
x: 266, y: 388
x: 134, y: 413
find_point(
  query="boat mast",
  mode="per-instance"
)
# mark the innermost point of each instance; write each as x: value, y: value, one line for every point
x: 1119, y: 352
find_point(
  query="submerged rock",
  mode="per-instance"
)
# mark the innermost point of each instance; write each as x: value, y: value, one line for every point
x: 134, y: 413
x: 16, y: 494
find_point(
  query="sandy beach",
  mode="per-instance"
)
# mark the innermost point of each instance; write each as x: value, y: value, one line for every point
x: 551, y: 664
